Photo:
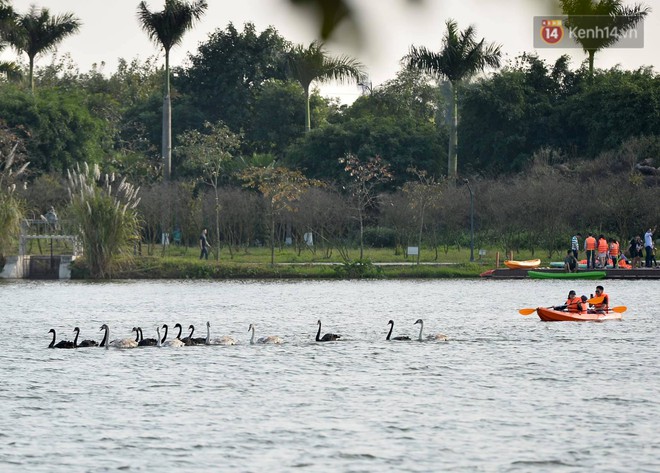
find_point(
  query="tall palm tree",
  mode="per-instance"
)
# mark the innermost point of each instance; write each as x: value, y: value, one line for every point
x: 38, y: 32
x: 166, y: 28
x: 461, y: 57
x: 604, y: 15
x: 312, y: 63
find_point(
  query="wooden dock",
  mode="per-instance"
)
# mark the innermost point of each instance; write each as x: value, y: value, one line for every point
x: 640, y: 273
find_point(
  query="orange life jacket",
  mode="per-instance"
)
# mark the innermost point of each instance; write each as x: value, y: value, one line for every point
x: 602, y: 245
x: 614, y: 249
x: 590, y: 243
x: 605, y: 305
x: 574, y: 305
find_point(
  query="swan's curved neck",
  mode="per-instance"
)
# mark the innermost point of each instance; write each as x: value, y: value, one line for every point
x: 390, y: 332
x: 141, y: 334
x: 179, y: 334
x: 165, y: 335
x: 192, y: 330
x: 252, y: 337
x: 75, y: 340
x: 106, y: 337
x: 421, y: 327
x: 318, y: 334
x: 52, y: 343
x: 137, y: 335
x: 104, y: 342
x: 158, y: 343
x: 208, y: 333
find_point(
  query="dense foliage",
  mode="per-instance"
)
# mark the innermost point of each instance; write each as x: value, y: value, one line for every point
x: 528, y: 131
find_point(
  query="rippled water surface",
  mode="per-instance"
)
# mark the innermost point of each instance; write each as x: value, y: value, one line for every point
x: 506, y: 393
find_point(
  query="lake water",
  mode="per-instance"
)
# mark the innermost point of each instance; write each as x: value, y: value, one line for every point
x: 506, y: 393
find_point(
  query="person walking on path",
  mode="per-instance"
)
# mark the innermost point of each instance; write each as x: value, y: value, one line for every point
x: 575, y: 245
x: 590, y: 248
x: 204, y: 245
x: 648, y: 246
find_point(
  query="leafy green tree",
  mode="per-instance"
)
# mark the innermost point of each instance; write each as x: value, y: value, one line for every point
x: 37, y: 32
x: 227, y: 74
x: 587, y: 16
x: 104, y: 212
x: 312, y: 63
x: 57, y: 127
x: 403, y: 141
x: 461, y: 57
x: 278, y: 108
x: 166, y: 28
x: 209, y: 156
x: 408, y: 95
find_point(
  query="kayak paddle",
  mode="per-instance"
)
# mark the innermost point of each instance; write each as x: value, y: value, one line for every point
x: 619, y: 309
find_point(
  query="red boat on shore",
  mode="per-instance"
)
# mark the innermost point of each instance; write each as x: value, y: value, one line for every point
x: 551, y: 315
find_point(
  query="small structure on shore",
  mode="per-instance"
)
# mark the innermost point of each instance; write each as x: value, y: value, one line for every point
x: 43, y: 266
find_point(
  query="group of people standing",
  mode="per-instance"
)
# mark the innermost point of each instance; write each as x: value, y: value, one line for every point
x: 643, y: 248
x: 598, y: 304
x: 601, y: 251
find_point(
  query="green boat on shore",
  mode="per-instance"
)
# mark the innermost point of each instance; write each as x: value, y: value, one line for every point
x: 561, y: 275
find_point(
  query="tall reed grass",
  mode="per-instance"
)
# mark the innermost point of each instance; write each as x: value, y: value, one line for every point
x: 105, y: 216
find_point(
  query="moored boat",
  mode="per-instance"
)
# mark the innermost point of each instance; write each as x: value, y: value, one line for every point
x: 551, y: 315
x: 527, y: 264
x: 562, y: 275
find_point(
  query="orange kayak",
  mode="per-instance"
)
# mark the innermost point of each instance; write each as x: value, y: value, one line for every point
x: 551, y: 315
x: 528, y: 264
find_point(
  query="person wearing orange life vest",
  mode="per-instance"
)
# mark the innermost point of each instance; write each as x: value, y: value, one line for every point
x: 590, y: 248
x: 602, y: 248
x: 614, y: 251
x: 603, y: 307
x: 572, y: 304
x: 584, y: 305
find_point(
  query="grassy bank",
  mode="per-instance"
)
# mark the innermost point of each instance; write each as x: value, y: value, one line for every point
x: 190, y: 267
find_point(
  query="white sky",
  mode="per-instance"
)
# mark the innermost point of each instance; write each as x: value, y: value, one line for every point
x: 110, y: 31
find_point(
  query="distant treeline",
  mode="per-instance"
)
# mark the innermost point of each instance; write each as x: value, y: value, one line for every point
x: 548, y: 150
x: 239, y: 78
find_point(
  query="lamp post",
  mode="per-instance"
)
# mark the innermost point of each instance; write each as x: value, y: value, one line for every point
x: 467, y: 183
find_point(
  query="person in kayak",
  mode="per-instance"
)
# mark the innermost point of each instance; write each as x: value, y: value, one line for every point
x: 573, y: 304
x: 604, y: 306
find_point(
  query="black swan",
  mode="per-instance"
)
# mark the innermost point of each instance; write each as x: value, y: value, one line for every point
x: 84, y: 343
x: 146, y: 342
x: 60, y: 344
x: 195, y: 340
x: 389, y: 334
x: 328, y: 337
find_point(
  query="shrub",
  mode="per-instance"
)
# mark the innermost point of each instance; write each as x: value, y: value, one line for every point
x: 380, y: 237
